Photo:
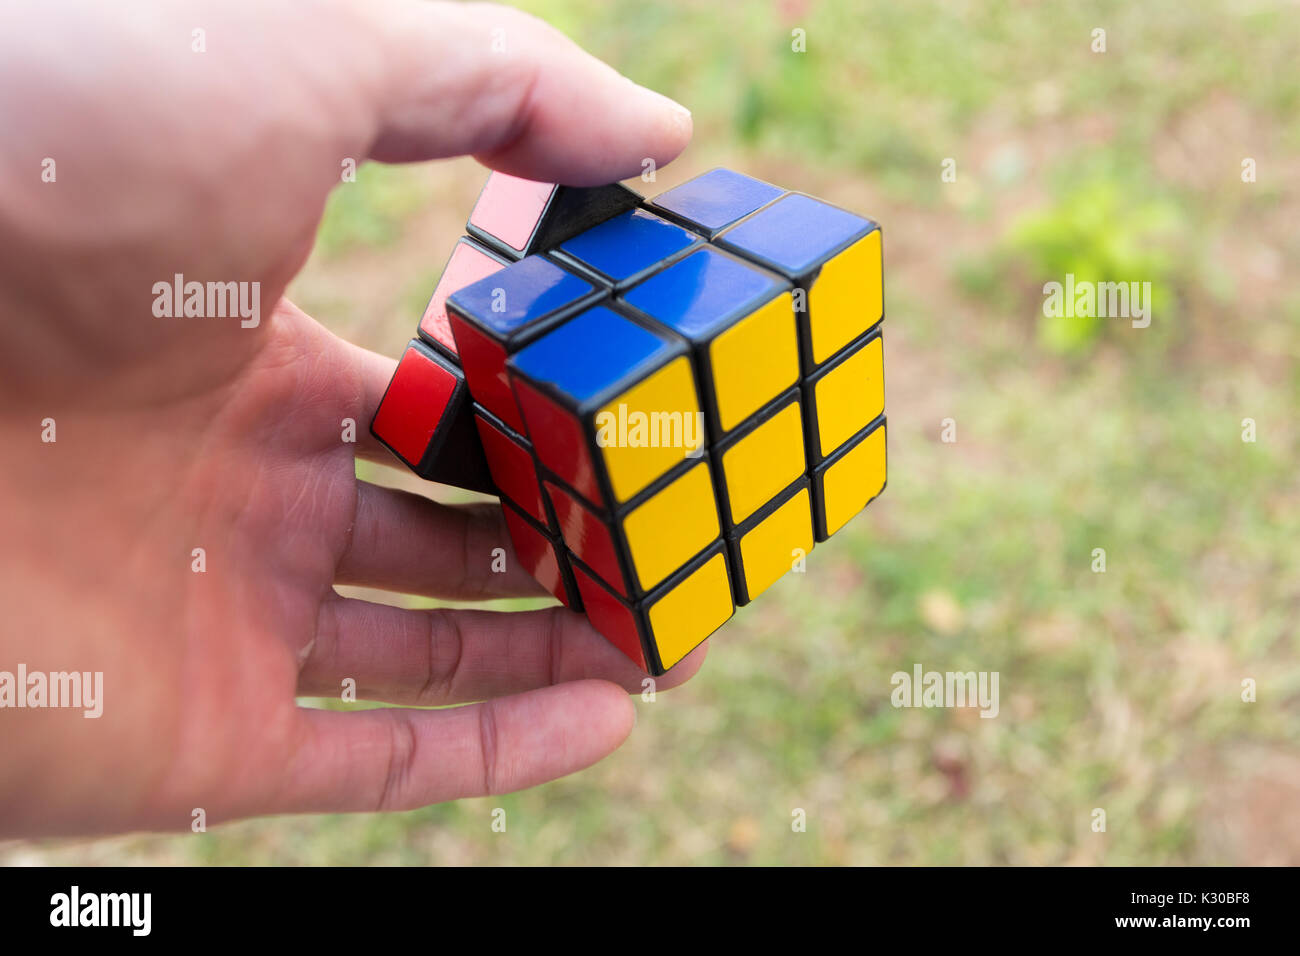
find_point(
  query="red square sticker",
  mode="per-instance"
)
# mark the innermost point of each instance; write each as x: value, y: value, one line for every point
x: 414, y: 405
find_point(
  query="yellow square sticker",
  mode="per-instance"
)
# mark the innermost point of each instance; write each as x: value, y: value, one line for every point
x: 691, y: 611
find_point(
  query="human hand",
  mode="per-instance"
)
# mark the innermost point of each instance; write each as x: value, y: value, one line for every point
x: 182, y: 433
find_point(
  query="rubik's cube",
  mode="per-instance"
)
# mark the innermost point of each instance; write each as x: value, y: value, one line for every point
x: 673, y: 398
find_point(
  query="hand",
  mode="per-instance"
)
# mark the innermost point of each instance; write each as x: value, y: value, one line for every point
x: 180, y: 433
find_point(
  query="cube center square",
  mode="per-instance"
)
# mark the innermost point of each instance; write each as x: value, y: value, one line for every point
x: 625, y: 249
x: 542, y: 555
x: 761, y: 458
x: 609, y: 404
x: 832, y: 255
x: 514, y: 470
x: 741, y: 326
x: 498, y: 315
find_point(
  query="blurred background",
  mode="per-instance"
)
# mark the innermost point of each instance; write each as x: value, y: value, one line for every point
x: 1120, y: 690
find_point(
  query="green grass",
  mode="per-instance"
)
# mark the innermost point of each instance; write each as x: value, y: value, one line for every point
x: 1119, y: 690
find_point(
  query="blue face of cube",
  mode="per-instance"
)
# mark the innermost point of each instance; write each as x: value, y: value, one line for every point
x: 628, y: 244
x: 796, y: 234
x: 590, y: 353
x: 717, y: 199
x: 522, y: 292
x: 703, y: 293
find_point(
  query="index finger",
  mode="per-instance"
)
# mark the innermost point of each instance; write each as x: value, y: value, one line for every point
x: 515, y: 93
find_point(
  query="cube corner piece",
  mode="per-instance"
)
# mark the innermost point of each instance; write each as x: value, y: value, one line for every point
x: 519, y: 217
x: 495, y: 317
x: 833, y: 257
x: 425, y: 418
x: 660, y: 629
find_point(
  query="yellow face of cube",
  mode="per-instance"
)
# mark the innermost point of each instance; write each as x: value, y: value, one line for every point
x: 847, y: 297
x: 776, y: 543
x: 651, y: 427
x: 755, y: 360
x: 691, y: 611
x: 672, y: 526
x: 760, y: 465
x: 855, y: 479
x: 851, y: 396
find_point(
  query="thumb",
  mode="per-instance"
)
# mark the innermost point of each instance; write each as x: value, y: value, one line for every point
x: 518, y: 95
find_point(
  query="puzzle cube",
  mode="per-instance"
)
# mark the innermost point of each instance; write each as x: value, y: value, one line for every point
x: 675, y: 400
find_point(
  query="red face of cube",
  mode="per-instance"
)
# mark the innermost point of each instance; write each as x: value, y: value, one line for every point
x: 414, y: 405
x: 509, y: 209
x: 467, y: 265
x: 484, y: 361
x: 558, y: 439
x: 611, y: 617
x: 513, y: 471
x: 536, y: 554
x: 587, y: 536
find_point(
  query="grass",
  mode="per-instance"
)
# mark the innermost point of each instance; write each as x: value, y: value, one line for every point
x: 1120, y: 691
